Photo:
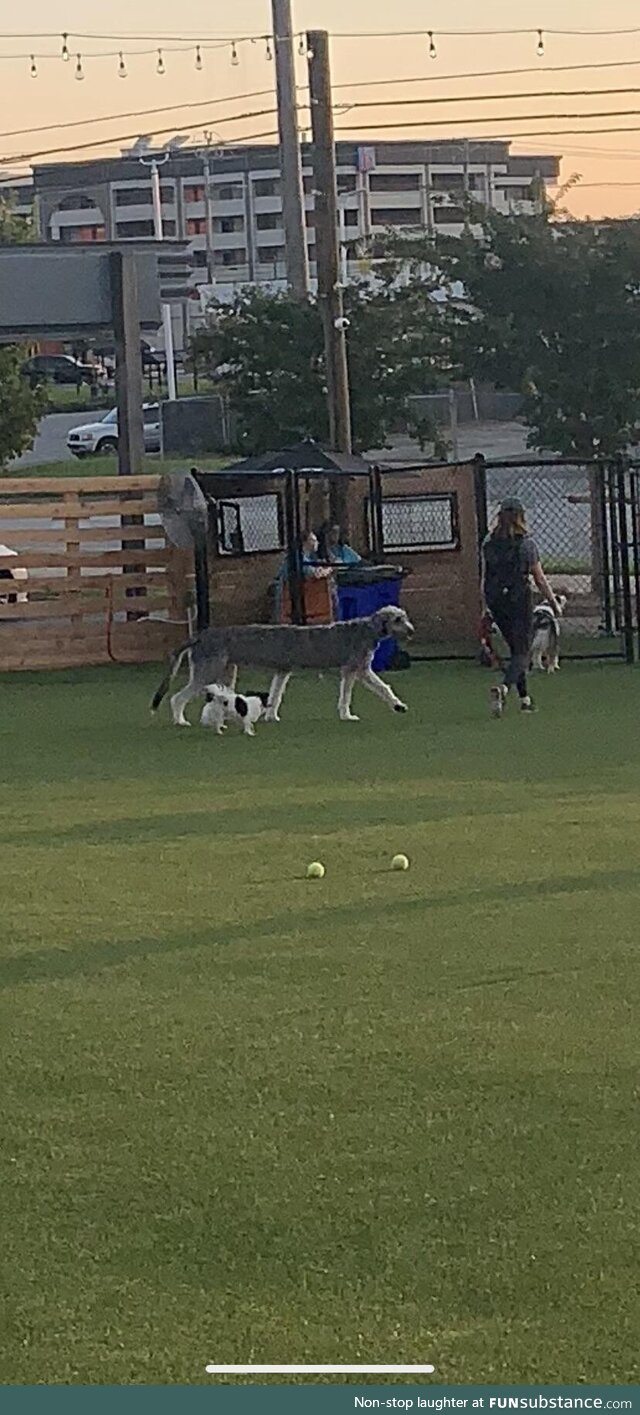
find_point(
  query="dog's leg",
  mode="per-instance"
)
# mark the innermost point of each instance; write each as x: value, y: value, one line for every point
x: 231, y: 677
x: 347, y: 682
x: 381, y: 690
x: 179, y: 702
x: 249, y: 729
x: 276, y: 694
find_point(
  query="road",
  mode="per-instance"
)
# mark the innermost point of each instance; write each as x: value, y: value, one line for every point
x: 494, y: 439
x: 51, y: 442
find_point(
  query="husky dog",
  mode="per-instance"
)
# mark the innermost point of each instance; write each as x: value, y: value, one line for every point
x: 545, y: 650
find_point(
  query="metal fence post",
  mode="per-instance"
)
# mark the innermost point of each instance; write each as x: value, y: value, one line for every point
x: 294, y: 548
x: 623, y: 525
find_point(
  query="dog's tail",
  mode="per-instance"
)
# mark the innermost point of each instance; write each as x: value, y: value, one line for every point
x: 173, y: 667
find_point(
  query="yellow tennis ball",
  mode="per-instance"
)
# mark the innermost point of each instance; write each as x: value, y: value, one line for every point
x: 400, y: 862
x: 315, y: 870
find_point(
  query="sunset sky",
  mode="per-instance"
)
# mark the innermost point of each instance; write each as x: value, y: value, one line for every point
x: 609, y: 163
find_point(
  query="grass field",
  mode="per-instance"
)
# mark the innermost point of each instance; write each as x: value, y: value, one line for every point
x: 108, y: 466
x: 377, y: 1117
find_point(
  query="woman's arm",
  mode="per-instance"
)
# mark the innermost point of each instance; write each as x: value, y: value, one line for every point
x: 541, y: 582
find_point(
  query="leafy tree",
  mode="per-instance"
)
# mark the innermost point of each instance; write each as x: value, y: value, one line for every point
x: 552, y: 309
x: 20, y: 405
x: 266, y: 352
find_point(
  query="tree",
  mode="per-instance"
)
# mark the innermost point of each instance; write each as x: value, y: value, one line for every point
x: 553, y: 310
x: 266, y: 352
x: 20, y: 405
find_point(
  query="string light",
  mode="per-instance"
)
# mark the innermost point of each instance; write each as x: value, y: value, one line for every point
x: 268, y: 50
x: 79, y: 68
x: 302, y: 47
x: 198, y: 58
x: 234, y: 55
x: 34, y: 67
x: 540, y: 48
x: 160, y: 68
x: 433, y: 53
x: 64, y: 53
x: 122, y: 68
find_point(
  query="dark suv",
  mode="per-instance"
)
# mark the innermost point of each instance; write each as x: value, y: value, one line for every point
x: 58, y: 368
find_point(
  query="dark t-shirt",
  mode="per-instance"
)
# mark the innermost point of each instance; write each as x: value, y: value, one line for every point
x: 508, y: 562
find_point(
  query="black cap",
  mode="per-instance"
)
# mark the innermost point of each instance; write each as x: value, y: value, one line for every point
x: 511, y: 503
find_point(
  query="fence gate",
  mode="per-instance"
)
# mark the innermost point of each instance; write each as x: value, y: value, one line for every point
x: 585, y: 520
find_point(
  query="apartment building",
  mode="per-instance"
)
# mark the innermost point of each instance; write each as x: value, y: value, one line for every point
x: 236, y: 227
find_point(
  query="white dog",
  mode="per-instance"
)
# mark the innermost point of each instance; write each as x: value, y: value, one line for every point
x: 223, y: 705
x: 545, y: 650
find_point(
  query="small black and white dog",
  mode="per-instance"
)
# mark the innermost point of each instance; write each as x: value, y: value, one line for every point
x: 545, y: 650
x: 224, y: 705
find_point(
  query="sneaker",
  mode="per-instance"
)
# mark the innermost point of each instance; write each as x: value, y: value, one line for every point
x: 498, y: 700
x: 527, y: 705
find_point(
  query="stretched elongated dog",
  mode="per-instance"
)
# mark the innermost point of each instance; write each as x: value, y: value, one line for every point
x: 215, y: 656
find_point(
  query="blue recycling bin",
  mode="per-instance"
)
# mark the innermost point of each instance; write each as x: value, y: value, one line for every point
x: 368, y: 592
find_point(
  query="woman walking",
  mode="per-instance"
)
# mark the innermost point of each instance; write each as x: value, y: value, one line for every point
x: 511, y: 562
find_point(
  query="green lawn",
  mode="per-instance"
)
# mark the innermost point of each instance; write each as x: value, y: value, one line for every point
x: 108, y: 466
x: 377, y: 1117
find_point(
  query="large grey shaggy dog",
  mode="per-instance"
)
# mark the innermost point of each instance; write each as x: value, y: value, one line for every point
x: 215, y: 656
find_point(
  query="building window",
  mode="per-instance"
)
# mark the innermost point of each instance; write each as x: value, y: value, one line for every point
x: 268, y: 220
x: 129, y: 230
x: 196, y: 226
x: 448, y: 216
x: 142, y: 196
x: 517, y: 193
x: 394, y: 182
x: 199, y: 259
x: 421, y: 522
x: 249, y: 525
x: 396, y: 216
x: 346, y: 182
x: 270, y: 255
x: 226, y: 225
x: 447, y: 181
x: 232, y: 257
x: 233, y: 192
x: 69, y: 235
x: 193, y: 194
x: 267, y: 187
x: 351, y: 217
x: 308, y: 185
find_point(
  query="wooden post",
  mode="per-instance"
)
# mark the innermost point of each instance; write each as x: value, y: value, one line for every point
x: 129, y: 394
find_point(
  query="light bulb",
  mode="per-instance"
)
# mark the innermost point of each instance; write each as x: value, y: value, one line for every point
x: 160, y: 69
x: 433, y: 53
x: 540, y: 48
x: 268, y: 50
x: 302, y: 47
x: 122, y: 68
x: 34, y: 67
x: 198, y: 57
x: 79, y: 68
x: 234, y: 55
x: 64, y: 53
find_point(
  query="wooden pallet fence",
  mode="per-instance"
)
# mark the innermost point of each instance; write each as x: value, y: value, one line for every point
x: 103, y: 583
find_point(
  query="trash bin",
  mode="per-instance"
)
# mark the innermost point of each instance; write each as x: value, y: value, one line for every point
x: 362, y: 589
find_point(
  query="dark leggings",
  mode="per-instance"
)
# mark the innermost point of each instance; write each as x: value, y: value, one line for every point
x: 515, y: 622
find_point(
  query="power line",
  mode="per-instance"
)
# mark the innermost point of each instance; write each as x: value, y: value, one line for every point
x: 494, y: 97
x: 139, y: 113
x: 374, y: 103
x: 131, y: 137
x: 482, y: 138
x: 495, y: 118
x: 491, y: 74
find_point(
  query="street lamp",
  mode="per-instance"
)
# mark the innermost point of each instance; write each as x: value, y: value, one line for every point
x: 154, y: 162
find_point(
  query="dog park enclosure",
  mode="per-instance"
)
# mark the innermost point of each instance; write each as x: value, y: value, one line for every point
x: 103, y: 584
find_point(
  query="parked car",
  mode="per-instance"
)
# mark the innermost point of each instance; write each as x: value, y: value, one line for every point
x: 101, y: 438
x: 58, y: 368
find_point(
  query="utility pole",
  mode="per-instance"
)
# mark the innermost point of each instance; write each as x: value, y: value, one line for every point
x: 327, y: 253
x: 167, y: 326
x: 208, y: 206
x: 290, y: 158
